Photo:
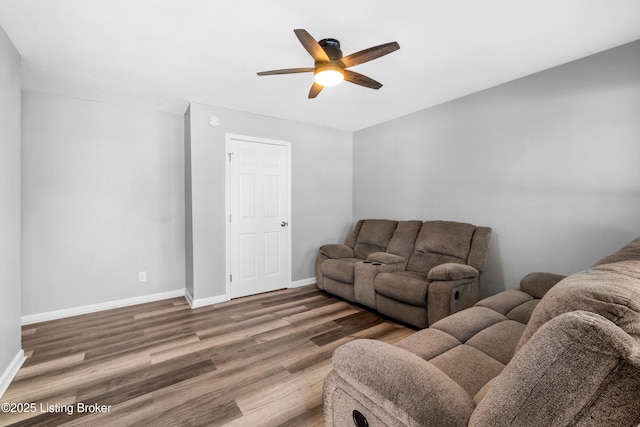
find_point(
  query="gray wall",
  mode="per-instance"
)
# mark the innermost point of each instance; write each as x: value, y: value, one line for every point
x: 102, y: 199
x: 321, y: 179
x: 9, y: 202
x: 550, y: 161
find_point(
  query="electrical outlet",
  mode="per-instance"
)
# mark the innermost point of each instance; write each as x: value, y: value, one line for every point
x: 142, y: 276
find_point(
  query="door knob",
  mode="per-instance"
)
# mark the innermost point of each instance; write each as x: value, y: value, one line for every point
x: 284, y: 224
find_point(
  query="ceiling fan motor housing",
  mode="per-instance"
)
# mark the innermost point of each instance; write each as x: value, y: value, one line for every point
x: 331, y: 48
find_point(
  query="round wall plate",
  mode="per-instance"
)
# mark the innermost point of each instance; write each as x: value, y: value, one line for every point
x: 214, y: 121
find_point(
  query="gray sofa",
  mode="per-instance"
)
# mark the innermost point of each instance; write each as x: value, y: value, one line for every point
x: 555, y: 352
x: 417, y: 272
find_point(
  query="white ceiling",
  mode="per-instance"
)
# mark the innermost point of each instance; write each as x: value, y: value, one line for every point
x: 164, y: 54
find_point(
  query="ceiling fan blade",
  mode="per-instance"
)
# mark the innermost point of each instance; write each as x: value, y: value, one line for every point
x: 312, y: 46
x: 315, y: 90
x: 369, y: 54
x: 360, y: 79
x: 286, y: 71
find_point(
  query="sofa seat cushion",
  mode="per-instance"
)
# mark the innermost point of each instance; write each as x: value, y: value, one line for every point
x: 610, y: 290
x: 513, y: 303
x: 466, y: 323
x: 341, y: 269
x: 428, y: 343
x: 473, y: 346
x: 522, y: 313
x: 505, y: 301
x: 406, y: 286
x: 468, y: 367
x: 498, y: 340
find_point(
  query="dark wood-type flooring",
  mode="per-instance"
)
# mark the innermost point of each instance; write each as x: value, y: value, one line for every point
x: 254, y: 361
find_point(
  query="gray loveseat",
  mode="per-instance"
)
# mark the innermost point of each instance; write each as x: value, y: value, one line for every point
x: 414, y: 271
x: 555, y: 352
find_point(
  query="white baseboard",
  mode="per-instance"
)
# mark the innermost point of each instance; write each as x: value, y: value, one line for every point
x: 12, y: 370
x: 193, y: 303
x: 303, y: 282
x: 201, y: 302
x: 59, y: 314
x: 188, y: 297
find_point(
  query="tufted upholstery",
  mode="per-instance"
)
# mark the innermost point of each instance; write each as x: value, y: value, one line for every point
x: 335, y: 263
x: 556, y: 351
x: 390, y: 266
x: 618, y: 301
x: 441, y: 277
x: 440, y: 242
x: 374, y: 236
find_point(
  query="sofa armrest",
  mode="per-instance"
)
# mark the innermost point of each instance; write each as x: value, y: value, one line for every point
x: 537, y: 284
x: 445, y: 297
x: 337, y: 250
x: 452, y: 271
x: 579, y: 368
x: 385, y: 258
x: 401, y: 384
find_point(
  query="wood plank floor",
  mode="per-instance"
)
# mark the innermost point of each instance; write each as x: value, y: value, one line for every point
x: 254, y: 361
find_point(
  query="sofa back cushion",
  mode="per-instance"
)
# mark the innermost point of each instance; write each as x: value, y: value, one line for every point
x: 374, y: 236
x: 577, y: 369
x: 353, y: 237
x: 439, y: 242
x: 610, y: 290
x: 479, y: 251
x: 404, y: 238
x: 630, y: 252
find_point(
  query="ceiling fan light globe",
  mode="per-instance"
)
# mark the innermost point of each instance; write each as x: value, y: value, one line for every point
x: 328, y: 76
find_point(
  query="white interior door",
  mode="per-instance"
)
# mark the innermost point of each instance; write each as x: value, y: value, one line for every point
x: 259, y: 205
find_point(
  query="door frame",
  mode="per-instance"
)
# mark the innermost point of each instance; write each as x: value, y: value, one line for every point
x: 227, y: 203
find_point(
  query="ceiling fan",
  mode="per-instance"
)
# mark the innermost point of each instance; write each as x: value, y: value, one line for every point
x: 331, y: 67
